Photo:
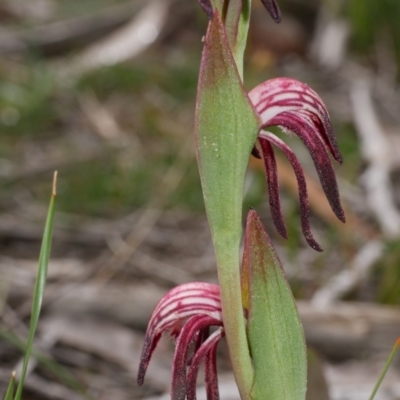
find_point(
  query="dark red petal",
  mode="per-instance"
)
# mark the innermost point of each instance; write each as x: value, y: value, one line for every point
x: 210, y: 372
x: 308, y: 135
x: 192, y: 326
x: 150, y: 343
x: 207, y: 7
x: 324, y: 127
x: 201, y: 337
x: 301, y: 183
x: 273, y: 186
x: 207, y: 350
x: 273, y: 9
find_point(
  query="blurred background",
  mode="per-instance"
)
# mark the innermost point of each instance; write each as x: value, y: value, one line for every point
x: 104, y: 92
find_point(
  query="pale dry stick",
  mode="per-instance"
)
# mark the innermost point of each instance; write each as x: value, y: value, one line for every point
x: 344, y: 282
x: 123, y: 44
x: 101, y: 118
x: 150, y: 216
x: 330, y: 41
x: 377, y: 152
x: 58, y: 34
x: 107, y: 127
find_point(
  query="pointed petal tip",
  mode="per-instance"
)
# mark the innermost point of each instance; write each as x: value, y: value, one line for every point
x: 273, y: 10
x: 140, y: 379
x: 281, y: 228
x: 145, y: 358
x: 279, y: 222
x: 337, y: 208
x: 338, y: 157
x: 141, y: 374
x: 207, y: 8
x: 314, y: 245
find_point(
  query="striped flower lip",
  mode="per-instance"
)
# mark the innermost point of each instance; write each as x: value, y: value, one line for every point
x: 270, y: 5
x: 187, y: 312
x: 295, y: 107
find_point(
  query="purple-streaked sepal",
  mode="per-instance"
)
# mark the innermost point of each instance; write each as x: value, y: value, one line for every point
x: 186, y: 312
x: 295, y: 107
x: 273, y: 9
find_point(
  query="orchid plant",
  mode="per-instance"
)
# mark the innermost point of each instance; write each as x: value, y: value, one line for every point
x: 253, y: 306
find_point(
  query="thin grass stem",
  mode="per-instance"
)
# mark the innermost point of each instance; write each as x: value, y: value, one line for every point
x: 39, y: 286
x: 10, y: 390
x: 385, y: 368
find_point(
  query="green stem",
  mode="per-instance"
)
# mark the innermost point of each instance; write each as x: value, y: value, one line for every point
x: 228, y: 256
x: 241, y: 41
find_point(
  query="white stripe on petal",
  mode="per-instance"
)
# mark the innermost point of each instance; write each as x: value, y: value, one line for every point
x: 285, y: 94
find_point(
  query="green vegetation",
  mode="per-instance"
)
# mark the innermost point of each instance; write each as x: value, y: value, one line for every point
x: 373, y: 21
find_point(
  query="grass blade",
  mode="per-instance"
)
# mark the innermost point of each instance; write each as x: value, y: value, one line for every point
x: 385, y: 368
x: 10, y: 390
x: 39, y: 286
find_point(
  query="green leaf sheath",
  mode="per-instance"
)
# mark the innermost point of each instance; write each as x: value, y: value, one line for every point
x: 274, y: 329
x: 226, y: 129
x: 39, y: 289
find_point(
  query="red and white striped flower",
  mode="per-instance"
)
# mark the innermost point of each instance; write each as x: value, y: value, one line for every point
x: 188, y: 312
x: 295, y: 107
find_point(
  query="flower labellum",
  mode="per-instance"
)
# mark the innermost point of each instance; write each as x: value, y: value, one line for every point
x: 187, y: 312
x: 295, y: 107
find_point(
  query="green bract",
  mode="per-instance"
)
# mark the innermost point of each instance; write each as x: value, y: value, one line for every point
x: 274, y: 329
